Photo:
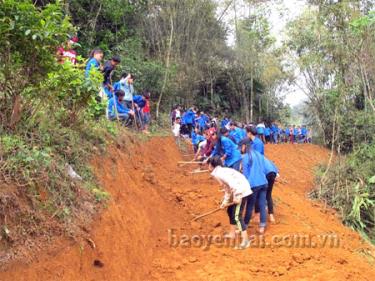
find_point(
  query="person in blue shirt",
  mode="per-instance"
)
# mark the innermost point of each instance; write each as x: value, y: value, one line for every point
x: 256, y: 143
x: 260, y: 131
x: 188, y: 119
x: 281, y: 134
x: 116, y: 109
x: 275, y: 133
x: 253, y: 165
x: 267, y: 134
x: 139, y: 102
x: 287, y: 134
x: 205, y: 118
x: 235, y: 133
x: 227, y: 150
x: 295, y: 133
x: 243, y: 132
x: 304, y: 134
x: 196, y: 138
x: 224, y: 122
x: 272, y: 172
x: 251, y: 141
x: 96, y: 57
x: 201, y: 122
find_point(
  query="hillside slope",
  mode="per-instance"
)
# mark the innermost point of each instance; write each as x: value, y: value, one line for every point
x: 151, y: 195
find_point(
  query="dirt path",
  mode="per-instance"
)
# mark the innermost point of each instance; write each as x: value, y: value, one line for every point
x: 151, y: 195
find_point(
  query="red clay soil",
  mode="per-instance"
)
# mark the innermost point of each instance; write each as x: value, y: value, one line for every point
x: 151, y: 195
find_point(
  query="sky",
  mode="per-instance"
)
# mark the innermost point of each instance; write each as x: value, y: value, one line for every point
x: 281, y: 12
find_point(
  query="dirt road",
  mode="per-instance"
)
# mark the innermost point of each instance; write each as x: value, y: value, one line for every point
x: 146, y: 232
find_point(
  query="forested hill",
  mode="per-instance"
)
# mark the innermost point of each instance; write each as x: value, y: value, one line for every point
x: 178, y: 49
x: 52, y: 120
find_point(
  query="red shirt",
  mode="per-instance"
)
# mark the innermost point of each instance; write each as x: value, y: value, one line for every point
x: 67, y: 54
x: 146, y: 108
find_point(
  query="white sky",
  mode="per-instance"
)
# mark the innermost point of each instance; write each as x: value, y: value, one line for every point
x: 280, y: 13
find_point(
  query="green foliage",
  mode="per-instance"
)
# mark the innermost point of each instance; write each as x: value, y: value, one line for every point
x: 333, y: 47
x: 349, y: 186
x: 49, y: 120
x: 21, y: 23
x: 200, y: 62
x: 360, y: 25
x: 100, y: 195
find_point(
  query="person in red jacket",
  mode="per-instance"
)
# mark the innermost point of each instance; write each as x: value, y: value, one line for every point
x: 146, y: 112
x: 67, y: 52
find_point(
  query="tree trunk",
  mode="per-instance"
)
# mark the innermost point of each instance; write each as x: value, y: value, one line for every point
x: 245, y: 102
x: 251, y: 96
x: 260, y: 105
x: 366, y: 87
x: 267, y: 106
x: 167, y: 63
x: 16, y: 112
x: 212, y: 92
x: 235, y: 21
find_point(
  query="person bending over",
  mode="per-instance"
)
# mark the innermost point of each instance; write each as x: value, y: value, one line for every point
x: 227, y: 150
x: 117, y: 110
x: 254, y: 170
x: 272, y: 172
x: 236, y: 192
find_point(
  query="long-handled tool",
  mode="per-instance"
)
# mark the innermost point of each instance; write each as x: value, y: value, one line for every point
x: 189, y: 162
x: 210, y: 212
x: 199, y: 172
x: 206, y: 214
x: 192, y: 162
x: 282, y: 181
x: 135, y: 114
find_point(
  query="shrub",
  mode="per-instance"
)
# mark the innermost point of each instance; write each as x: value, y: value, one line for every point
x: 349, y: 187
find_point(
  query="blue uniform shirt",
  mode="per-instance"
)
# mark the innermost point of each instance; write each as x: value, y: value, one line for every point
x: 224, y: 122
x: 196, y: 138
x: 236, y: 135
x: 120, y: 108
x: 201, y: 121
x: 188, y: 117
x: 139, y: 101
x: 230, y: 149
x: 254, y: 169
x: 90, y: 64
x: 267, y: 132
x: 260, y: 130
x: 270, y: 166
x: 258, y: 145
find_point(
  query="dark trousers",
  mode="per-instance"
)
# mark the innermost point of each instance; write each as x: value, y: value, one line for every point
x: 235, y: 214
x: 190, y: 128
x: 271, y: 180
x: 195, y: 146
x: 259, y: 194
x: 262, y: 138
x: 128, y: 104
